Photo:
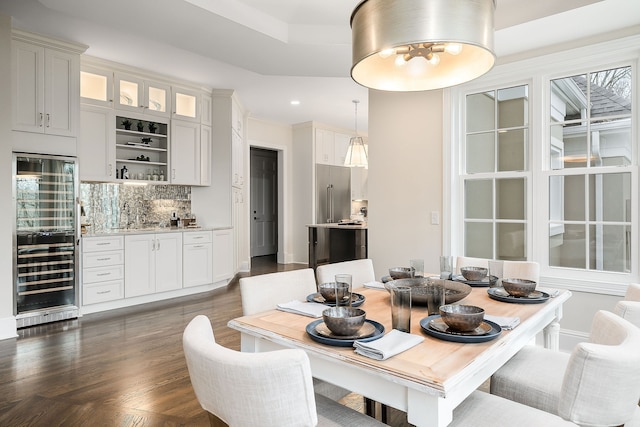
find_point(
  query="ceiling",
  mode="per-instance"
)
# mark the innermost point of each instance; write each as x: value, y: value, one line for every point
x: 275, y: 51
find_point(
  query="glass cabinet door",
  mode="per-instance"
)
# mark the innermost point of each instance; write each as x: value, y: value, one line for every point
x: 186, y: 104
x: 96, y: 86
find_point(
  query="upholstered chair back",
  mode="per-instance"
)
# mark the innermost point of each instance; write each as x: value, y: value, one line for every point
x: 266, y: 291
x: 600, y: 385
x: 629, y: 308
x: 361, y: 271
x: 528, y: 270
x: 465, y: 261
x: 249, y: 389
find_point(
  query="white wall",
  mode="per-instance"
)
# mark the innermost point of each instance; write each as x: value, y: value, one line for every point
x: 277, y: 137
x: 7, y: 319
x: 405, y: 178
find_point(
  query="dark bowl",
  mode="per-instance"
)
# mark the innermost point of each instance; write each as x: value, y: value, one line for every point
x: 344, y: 321
x: 519, y: 287
x: 454, y: 291
x: 328, y: 291
x: 474, y: 273
x: 462, y: 318
x: 401, y: 272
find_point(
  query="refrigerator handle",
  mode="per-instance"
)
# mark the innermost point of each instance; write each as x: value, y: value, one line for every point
x: 328, y: 212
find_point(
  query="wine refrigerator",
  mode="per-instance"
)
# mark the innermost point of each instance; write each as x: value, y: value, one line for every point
x: 45, y: 238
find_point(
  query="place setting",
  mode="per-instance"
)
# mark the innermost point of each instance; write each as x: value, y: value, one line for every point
x: 460, y: 323
x: 518, y: 291
x: 330, y: 293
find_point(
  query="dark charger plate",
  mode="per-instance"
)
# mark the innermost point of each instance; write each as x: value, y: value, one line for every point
x: 475, y: 283
x: 356, y: 299
x: 494, y: 332
x: 311, y: 330
x: 499, y: 294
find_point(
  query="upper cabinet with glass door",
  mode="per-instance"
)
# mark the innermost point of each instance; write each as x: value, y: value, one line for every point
x: 186, y: 104
x: 96, y: 86
x: 143, y: 96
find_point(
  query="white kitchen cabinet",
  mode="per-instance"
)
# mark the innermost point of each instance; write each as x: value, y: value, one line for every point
x: 96, y: 144
x: 96, y: 86
x: 205, y: 155
x: 325, y: 147
x: 206, y: 113
x: 144, y: 96
x: 45, y: 88
x: 153, y: 263
x: 222, y: 254
x: 237, y: 118
x: 102, y: 269
x: 237, y: 159
x: 197, y: 258
x: 238, y: 229
x: 341, y: 145
x: 186, y: 104
x: 359, y: 184
x: 185, y: 153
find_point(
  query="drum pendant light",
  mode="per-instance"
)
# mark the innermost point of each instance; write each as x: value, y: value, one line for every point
x: 414, y: 45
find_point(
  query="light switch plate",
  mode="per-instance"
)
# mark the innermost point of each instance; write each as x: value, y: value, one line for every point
x: 435, y: 218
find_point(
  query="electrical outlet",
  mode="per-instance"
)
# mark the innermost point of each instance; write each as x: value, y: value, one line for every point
x: 435, y: 218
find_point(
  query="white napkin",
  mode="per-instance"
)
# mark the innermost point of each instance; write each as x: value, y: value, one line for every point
x: 395, y: 342
x: 311, y: 309
x: 505, y: 322
x: 374, y: 285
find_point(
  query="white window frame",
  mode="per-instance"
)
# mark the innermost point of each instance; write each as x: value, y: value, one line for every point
x: 537, y: 73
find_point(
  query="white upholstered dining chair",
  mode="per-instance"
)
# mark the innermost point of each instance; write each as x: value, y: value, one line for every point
x: 629, y: 307
x: 465, y: 261
x: 595, y: 385
x: 361, y: 271
x: 528, y: 270
x: 258, y: 389
x: 264, y: 292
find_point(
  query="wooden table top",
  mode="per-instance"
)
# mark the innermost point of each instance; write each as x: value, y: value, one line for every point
x: 434, y: 364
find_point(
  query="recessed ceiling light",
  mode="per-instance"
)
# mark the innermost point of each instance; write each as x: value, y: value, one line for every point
x: 295, y: 102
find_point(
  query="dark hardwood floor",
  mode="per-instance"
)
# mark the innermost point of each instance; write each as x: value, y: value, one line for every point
x: 120, y: 368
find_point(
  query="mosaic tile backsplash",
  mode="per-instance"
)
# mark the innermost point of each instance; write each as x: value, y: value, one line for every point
x: 112, y: 206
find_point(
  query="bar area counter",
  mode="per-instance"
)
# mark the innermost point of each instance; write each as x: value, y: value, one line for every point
x: 336, y: 242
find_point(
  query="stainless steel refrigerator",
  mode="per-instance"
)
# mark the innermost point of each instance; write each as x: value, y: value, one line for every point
x: 45, y: 241
x: 333, y: 202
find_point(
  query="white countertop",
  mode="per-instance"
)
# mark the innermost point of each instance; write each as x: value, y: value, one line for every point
x: 147, y: 230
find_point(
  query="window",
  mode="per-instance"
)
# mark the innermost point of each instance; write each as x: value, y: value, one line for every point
x: 496, y: 173
x: 590, y: 177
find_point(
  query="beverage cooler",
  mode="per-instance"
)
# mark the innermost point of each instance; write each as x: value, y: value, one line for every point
x: 45, y: 242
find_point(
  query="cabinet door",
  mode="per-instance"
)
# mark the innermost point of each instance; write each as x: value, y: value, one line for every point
x: 238, y: 228
x: 205, y: 155
x: 157, y: 98
x: 325, y: 147
x: 237, y: 160
x: 237, y: 117
x: 359, y: 177
x: 341, y: 145
x: 198, y: 264
x: 222, y: 255
x: 168, y: 261
x: 61, y: 96
x: 206, y: 115
x: 140, y: 265
x: 96, y: 86
x: 28, y: 87
x: 96, y: 145
x: 185, y: 153
x: 186, y: 104
x: 129, y: 92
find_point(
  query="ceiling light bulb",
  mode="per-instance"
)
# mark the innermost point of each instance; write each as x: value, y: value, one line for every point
x: 453, y: 48
x: 434, y: 60
x: 386, y: 53
x: 400, y: 61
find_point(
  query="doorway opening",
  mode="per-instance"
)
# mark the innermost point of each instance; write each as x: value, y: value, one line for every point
x: 263, y: 202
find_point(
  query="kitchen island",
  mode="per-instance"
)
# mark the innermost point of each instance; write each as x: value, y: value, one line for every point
x: 336, y: 242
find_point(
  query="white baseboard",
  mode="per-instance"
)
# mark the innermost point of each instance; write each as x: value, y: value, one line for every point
x: 569, y: 339
x: 8, y: 328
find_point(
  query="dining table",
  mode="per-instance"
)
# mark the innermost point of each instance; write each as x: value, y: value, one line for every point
x: 430, y: 379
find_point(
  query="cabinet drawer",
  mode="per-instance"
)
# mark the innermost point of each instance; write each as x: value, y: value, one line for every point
x: 103, y: 292
x: 192, y: 237
x: 102, y: 259
x: 102, y: 274
x: 95, y: 244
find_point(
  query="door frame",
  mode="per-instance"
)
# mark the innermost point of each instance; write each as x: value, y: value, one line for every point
x: 283, y: 197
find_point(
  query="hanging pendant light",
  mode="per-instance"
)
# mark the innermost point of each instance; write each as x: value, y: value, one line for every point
x: 414, y: 45
x: 357, y: 152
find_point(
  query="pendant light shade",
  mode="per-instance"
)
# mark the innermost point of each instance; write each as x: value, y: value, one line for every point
x: 357, y: 152
x: 414, y: 45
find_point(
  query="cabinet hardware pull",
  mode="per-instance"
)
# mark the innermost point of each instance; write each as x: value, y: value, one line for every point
x: 104, y: 259
x: 103, y: 292
x: 110, y: 169
x: 158, y: 244
x: 41, y: 118
x: 198, y: 246
x: 103, y: 274
x: 103, y: 244
x: 48, y: 120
